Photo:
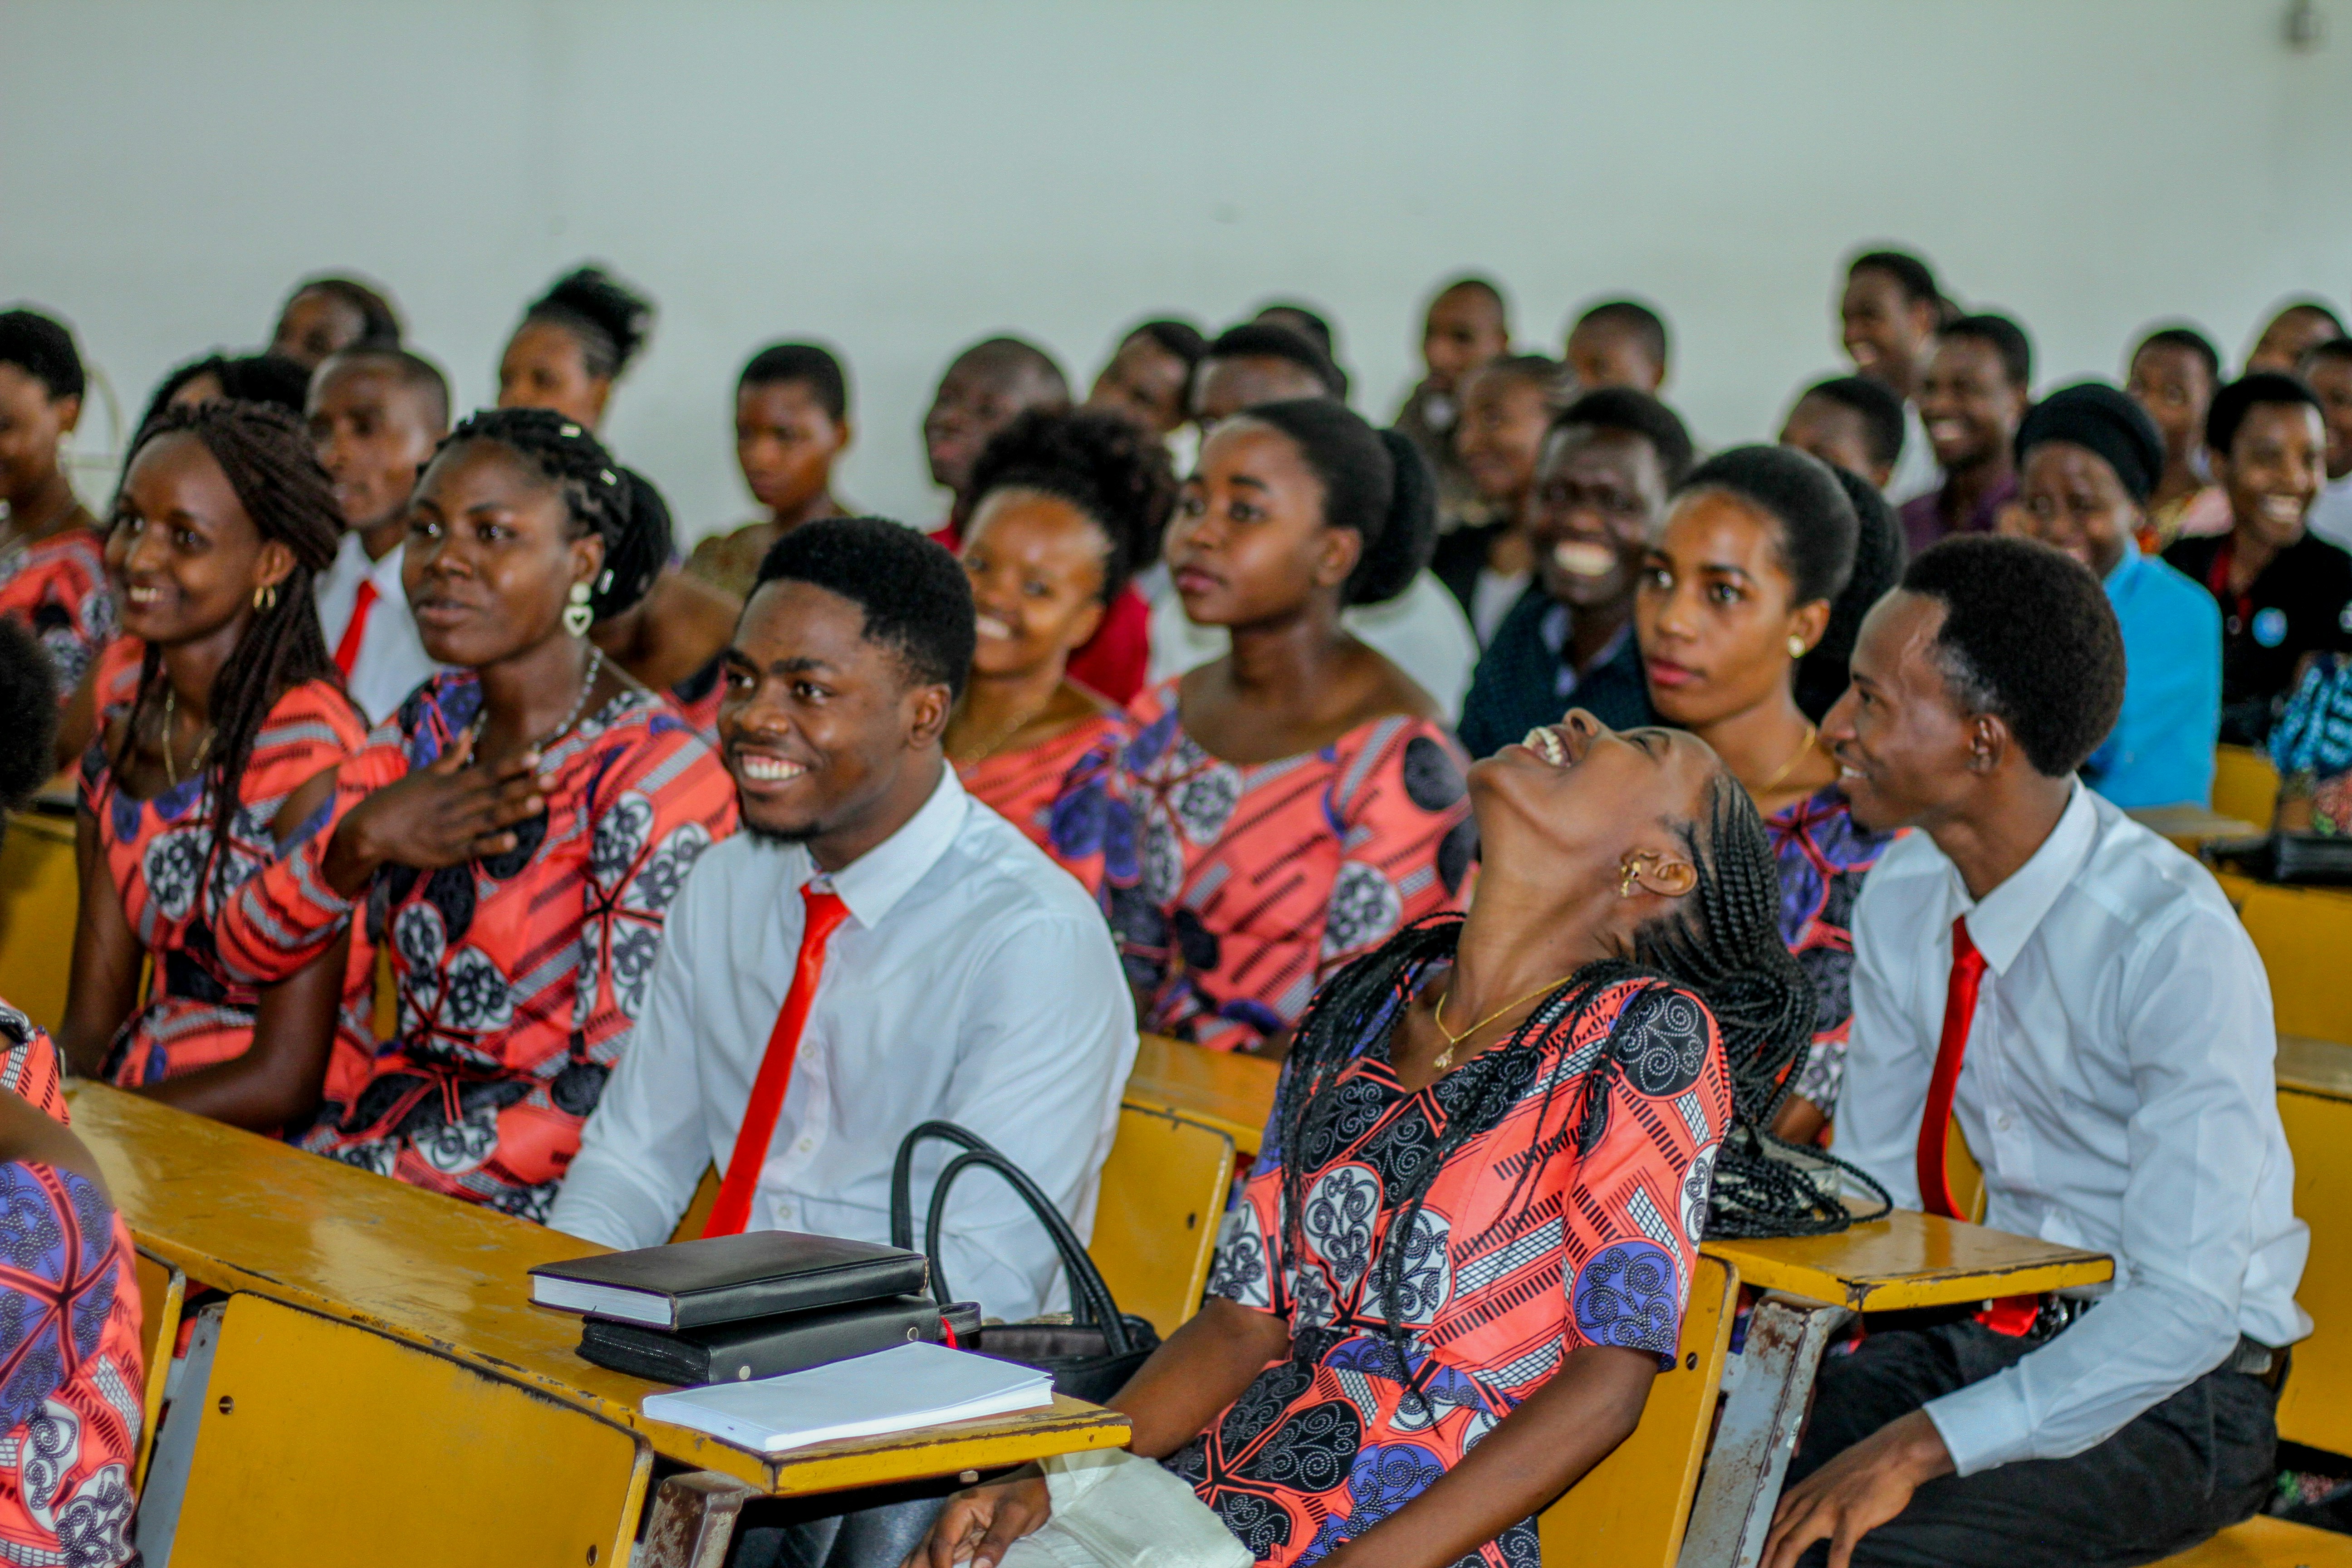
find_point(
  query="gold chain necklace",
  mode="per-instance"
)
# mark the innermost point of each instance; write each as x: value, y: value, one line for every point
x: 1454, y: 1041
x: 1812, y: 733
x: 171, y: 713
x: 996, y: 741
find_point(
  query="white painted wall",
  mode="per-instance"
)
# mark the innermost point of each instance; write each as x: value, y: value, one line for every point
x: 901, y: 176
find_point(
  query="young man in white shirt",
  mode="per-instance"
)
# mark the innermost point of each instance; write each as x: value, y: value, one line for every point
x: 375, y: 416
x: 2081, y: 995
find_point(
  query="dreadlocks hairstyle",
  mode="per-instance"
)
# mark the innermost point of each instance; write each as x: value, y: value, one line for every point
x: 645, y: 548
x: 608, y: 318
x: 1101, y: 464
x: 1722, y: 944
x: 598, y: 493
x: 266, y: 456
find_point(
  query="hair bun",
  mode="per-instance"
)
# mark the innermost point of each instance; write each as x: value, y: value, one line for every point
x: 1408, y: 534
x: 591, y: 295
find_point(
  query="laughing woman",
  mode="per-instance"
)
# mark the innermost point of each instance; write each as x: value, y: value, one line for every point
x: 1468, y: 1245
x: 515, y: 833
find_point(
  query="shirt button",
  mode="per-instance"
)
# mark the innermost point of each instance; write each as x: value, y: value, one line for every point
x: 805, y: 1144
x: 2001, y: 1122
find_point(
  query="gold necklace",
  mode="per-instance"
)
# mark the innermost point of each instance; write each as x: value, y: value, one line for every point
x: 996, y: 742
x: 171, y: 713
x: 1812, y: 733
x: 1454, y: 1041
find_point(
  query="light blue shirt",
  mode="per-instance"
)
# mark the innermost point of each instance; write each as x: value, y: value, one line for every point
x: 2161, y: 752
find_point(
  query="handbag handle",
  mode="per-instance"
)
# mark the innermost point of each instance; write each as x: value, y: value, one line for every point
x: 1090, y: 1296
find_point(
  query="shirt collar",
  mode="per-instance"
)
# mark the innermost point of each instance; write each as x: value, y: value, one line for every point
x: 873, y: 884
x: 2004, y: 921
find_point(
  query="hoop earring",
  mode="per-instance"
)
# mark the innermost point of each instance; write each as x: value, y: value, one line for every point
x: 1797, y: 648
x: 577, y: 616
x: 265, y: 599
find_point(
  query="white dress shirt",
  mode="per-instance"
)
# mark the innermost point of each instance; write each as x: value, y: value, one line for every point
x: 1917, y: 472
x: 974, y: 982
x: 1421, y: 631
x: 391, y: 661
x: 2118, y: 1090
x: 2331, y: 514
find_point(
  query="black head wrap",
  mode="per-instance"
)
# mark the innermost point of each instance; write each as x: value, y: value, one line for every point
x: 2095, y: 417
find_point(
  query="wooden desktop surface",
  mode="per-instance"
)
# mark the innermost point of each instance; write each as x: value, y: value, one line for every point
x: 241, y: 1212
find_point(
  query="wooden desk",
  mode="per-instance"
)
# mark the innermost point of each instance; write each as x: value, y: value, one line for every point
x: 243, y: 1213
x: 2191, y: 825
x: 1910, y: 1260
x: 1230, y: 1092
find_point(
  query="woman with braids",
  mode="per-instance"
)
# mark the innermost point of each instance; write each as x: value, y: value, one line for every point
x: 1292, y: 804
x: 574, y: 341
x: 220, y: 725
x: 52, y: 568
x: 1468, y: 1244
x: 1738, y: 586
x: 515, y: 833
x: 669, y: 631
x: 1065, y: 506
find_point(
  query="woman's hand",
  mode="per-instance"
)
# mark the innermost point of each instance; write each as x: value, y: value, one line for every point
x: 980, y: 1523
x: 444, y: 814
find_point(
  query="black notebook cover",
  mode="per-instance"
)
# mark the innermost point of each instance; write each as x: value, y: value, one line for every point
x: 759, y: 1347
x: 722, y: 1279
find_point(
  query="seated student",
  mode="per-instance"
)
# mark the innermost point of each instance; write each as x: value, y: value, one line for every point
x: 1148, y: 374
x: 1530, y: 1102
x: 514, y: 835
x: 1294, y: 802
x: 1849, y: 422
x: 1977, y: 388
x: 70, y: 1420
x: 2283, y: 592
x: 1618, y: 342
x: 376, y: 414
x: 2107, y: 1024
x: 325, y: 316
x: 1889, y: 309
x: 923, y: 925
x: 52, y: 564
x: 247, y: 378
x: 1507, y: 406
x: 2089, y: 458
x: 2172, y: 375
x: 1065, y: 505
x: 1608, y: 462
x: 573, y: 344
x: 1735, y: 591
x: 215, y: 747
x: 2294, y: 331
x: 2328, y: 371
x: 792, y: 424
x: 1422, y: 630
x: 1466, y: 325
x: 666, y: 630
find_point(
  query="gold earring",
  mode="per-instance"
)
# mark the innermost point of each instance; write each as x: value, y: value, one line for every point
x: 1797, y: 648
x: 1632, y: 867
x: 265, y: 599
x: 576, y: 613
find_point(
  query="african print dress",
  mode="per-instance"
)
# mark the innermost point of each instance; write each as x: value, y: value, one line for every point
x: 1822, y: 854
x: 1507, y: 1268
x: 57, y: 588
x: 697, y: 698
x: 518, y: 977
x: 198, y: 1012
x: 1233, y: 891
x: 72, y: 1388
x: 2311, y: 744
x: 1023, y: 786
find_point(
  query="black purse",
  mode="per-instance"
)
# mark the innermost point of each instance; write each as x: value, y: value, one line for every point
x: 1093, y: 1354
x: 2311, y: 859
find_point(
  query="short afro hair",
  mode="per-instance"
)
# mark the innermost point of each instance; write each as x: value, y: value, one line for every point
x: 28, y: 710
x: 805, y: 365
x: 1265, y: 339
x: 379, y: 319
x: 2028, y: 636
x: 1801, y: 494
x: 2006, y: 338
x: 1099, y: 462
x: 1879, y: 556
x: 1637, y: 321
x: 1375, y: 483
x: 1622, y: 408
x: 1880, y: 411
x: 2333, y: 351
x: 1181, y: 339
x: 2189, y: 340
x: 244, y: 378
x: 1914, y: 277
x: 412, y: 371
x: 2230, y: 405
x: 1306, y: 320
x: 43, y: 348
x: 916, y: 601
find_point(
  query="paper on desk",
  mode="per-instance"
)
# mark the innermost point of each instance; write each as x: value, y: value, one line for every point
x: 897, y: 1390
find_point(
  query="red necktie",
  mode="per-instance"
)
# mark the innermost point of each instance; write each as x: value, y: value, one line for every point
x: 1959, y: 1008
x: 733, y: 1210
x: 347, y: 648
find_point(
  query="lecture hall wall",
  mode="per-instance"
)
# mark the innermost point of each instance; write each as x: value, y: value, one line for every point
x: 901, y: 176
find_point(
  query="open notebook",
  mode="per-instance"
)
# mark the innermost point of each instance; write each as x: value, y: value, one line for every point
x: 897, y: 1390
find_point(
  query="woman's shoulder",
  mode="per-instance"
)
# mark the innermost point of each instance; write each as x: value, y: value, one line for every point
x: 650, y: 744
x: 316, y: 709
x: 1825, y: 820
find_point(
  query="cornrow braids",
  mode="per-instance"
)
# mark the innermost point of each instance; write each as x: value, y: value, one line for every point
x: 598, y: 493
x: 266, y: 456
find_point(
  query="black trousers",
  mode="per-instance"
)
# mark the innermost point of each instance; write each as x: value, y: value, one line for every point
x: 2201, y: 1461
x: 876, y: 1536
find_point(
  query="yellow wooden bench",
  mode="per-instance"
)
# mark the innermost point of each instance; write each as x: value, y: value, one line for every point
x: 2303, y: 935
x: 40, y: 892
x: 2264, y: 1542
x: 2315, y: 1102
x: 2245, y: 785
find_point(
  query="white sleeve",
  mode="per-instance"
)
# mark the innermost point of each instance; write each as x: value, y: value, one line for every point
x: 1891, y: 1052
x: 643, y: 1149
x: 2195, y: 1022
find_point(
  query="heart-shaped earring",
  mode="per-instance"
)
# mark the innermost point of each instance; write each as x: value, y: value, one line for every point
x: 577, y: 616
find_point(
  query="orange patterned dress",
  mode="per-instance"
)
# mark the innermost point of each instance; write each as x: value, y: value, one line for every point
x: 1234, y: 891
x: 71, y: 1387
x: 1508, y: 1269
x: 1028, y: 787
x: 57, y: 588
x: 519, y: 976
x: 198, y: 1012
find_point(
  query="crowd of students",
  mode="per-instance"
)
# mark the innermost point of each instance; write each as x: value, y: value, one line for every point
x: 1212, y: 709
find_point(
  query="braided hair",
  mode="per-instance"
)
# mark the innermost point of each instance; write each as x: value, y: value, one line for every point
x: 266, y: 456
x: 609, y: 320
x: 1098, y: 462
x: 1722, y: 943
x: 600, y: 497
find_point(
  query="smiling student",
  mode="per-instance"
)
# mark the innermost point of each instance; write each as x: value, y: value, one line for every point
x: 52, y: 566
x: 1976, y: 390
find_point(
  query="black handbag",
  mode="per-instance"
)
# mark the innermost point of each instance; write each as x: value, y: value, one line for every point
x: 2315, y: 859
x: 1093, y: 1354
